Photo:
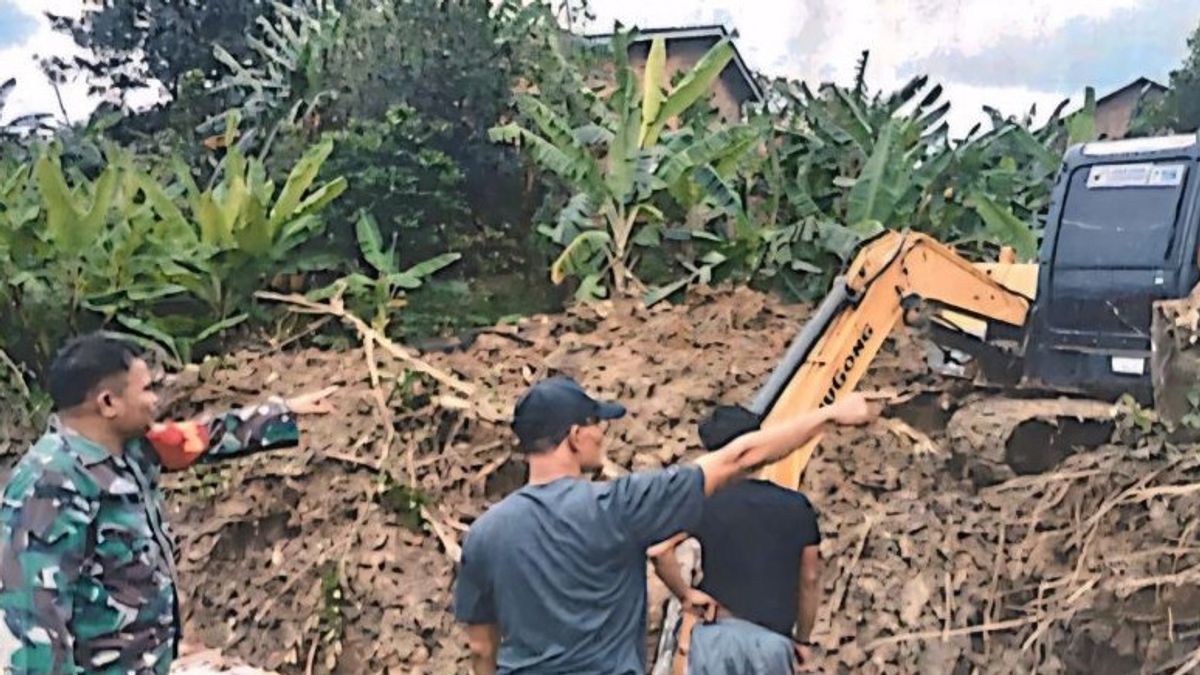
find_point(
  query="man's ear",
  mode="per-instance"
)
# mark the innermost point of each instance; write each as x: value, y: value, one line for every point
x: 106, y: 404
x: 572, y: 438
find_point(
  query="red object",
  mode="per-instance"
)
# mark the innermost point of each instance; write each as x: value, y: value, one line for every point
x: 178, y: 444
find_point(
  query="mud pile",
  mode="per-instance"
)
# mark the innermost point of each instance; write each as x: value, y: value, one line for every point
x: 322, y: 559
x: 1091, y: 568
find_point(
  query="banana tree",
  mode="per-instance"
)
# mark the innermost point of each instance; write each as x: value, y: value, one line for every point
x: 622, y: 163
x: 79, y: 250
x: 286, y: 81
x: 385, y: 293
x: 244, y: 229
x: 227, y: 241
x: 845, y: 163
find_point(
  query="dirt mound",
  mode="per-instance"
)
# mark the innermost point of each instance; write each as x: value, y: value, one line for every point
x: 324, y: 556
x: 323, y: 559
x: 1092, y: 568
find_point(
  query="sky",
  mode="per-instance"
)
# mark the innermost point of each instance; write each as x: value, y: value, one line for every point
x: 1009, y: 54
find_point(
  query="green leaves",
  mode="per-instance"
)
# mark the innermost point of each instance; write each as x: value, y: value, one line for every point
x: 370, y: 244
x: 580, y: 251
x: 789, y: 195
x: 74, y: 225
x: 653, y: 81
x: 176, y: 265
x: 554, y: 159
x: 695, y: 84
x: 382, y: 295
x: 849, y: 162
x: 623, y: 174
x: 1006, y: 229
x: 430, y: 267
x: 299, y: 181
x: 1081, y: 126
x: 883, y: 181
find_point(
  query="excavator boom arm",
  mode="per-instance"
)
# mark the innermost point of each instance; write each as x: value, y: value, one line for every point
x: 834, y: 349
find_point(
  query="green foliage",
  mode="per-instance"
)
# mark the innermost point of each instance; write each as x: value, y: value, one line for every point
x: 843, y: 164
x: 286, y: 78
x: 331, y: 618
x: 1135, y: 425
x: 382, y: 294
x: 171, y: 250
x: 362, y: 140
x: 1081, y: 126
x: 147, y: 250
x: 66, y: 240
x: 404, y: 501
x: 413, y: 190
x: 622, y: 170
x: 1179, y: 110
x: 237, y: 235
x: 128, y: 45
x: 409, y: 90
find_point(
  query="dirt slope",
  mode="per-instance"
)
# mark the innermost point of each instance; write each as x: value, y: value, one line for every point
x: 320, y: 559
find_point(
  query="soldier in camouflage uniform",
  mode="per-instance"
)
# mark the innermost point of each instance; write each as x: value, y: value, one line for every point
x: 87, y: 560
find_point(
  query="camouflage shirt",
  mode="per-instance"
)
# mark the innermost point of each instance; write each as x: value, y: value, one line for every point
x: 87, y: 560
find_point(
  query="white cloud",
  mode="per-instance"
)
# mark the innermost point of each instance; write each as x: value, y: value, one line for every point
x: 34, y: 93
x: 821, y: 40
x: 967, y: 103
x: 895, y: 31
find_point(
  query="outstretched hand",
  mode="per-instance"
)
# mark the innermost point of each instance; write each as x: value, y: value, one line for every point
x: 312, y: 403
x: 855, y: 409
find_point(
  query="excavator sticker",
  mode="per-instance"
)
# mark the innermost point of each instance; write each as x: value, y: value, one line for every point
x: 840, y: 377
x: 1134, y: 175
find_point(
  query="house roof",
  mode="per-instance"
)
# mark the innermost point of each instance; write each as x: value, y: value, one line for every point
x: 716, y: 32
x: 1144, y: 85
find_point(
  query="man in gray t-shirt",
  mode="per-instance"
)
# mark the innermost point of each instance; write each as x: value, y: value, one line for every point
x: 553, y: 578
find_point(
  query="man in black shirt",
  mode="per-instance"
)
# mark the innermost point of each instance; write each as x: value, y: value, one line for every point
x: 761, y: 567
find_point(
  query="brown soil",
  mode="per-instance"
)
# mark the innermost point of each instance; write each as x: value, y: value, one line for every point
x: 320, y: 559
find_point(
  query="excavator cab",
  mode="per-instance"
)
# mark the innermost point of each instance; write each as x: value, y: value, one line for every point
x: 1121, y: 234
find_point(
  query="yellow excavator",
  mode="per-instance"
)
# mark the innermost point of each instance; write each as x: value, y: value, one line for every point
x: 1105, y: 311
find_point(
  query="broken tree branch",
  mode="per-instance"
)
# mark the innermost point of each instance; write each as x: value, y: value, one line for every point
x: 304, y: 305
x: 992, y: 627
x: 840, y: 593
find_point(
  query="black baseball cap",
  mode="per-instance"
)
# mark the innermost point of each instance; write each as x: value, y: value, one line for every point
x: 726, y: 423
x: 545, y: 414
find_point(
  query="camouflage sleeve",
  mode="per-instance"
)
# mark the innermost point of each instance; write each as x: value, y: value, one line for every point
x: 251, y: 429
x: 47, y: 516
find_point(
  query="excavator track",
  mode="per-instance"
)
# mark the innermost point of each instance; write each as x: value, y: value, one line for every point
x: 996, y: 439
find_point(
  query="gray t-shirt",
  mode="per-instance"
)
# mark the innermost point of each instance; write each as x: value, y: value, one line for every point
x: 561, y: 567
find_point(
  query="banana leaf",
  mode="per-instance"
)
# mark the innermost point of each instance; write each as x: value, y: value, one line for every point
x: 695, y: 84
x: 1005, y: 228
x: 653, y: 81
x: 584, y: 245
x: 298, y: 182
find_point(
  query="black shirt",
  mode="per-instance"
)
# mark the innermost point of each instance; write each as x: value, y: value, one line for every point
x: 751, y: 537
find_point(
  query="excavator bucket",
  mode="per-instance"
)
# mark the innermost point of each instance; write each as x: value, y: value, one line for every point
x: 1175, y: 357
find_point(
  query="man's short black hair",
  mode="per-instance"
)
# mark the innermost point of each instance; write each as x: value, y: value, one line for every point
x: 85, y: 362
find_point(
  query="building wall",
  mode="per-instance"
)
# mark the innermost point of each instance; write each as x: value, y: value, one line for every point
x: 1115, y: 114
